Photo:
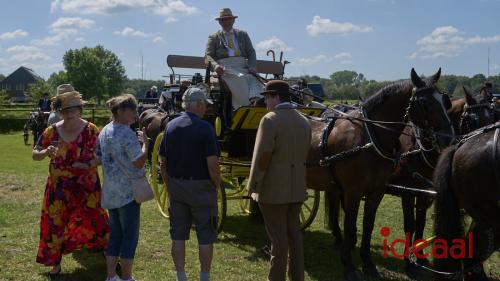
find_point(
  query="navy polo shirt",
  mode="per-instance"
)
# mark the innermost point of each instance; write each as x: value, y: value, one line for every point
x: 187, y: 142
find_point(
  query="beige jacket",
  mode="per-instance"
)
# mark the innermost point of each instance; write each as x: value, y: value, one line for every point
x: 216, y: 48
x: 278, y: 172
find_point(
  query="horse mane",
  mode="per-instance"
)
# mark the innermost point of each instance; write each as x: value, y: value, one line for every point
x: 383, y: 94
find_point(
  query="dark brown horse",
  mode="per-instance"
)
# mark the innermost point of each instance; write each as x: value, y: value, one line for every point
x: 467, y: 177
x: 415, y: 170
x: 361, y: 155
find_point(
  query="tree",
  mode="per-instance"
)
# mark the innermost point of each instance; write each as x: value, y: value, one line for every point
x: 4, y: 97
x: 115, y: 72
x: 94, y: 72
x: 56, y: 79
x: 2, y: 77
x: 347, y: 77
x: 35, y: 91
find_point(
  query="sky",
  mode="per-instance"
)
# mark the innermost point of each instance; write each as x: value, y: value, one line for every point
x: 383, y: 39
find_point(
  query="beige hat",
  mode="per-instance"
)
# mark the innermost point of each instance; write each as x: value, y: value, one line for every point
x: 226, y: 13
x: 67, y: 97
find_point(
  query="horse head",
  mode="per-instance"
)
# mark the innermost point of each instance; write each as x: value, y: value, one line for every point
x: 428, y: 108
x: 477, y: 113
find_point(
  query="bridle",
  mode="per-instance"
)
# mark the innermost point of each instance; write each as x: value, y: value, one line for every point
x: 471, y: 114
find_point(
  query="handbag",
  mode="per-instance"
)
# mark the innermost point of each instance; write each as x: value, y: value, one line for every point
x: 140, y: 186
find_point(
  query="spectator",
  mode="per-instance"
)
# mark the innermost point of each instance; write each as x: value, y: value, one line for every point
x: 122, y: 159
x: 71, y: 217
x: 189, y: 165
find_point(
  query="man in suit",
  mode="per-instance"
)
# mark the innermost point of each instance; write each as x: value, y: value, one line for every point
x: 44, y: 103
x: 231, y: 55
x: 278, y: 179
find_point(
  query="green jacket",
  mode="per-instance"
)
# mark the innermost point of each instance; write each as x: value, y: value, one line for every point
x: 217, y: 48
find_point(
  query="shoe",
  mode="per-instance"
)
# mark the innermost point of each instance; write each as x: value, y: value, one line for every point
x: 52, y: 275
x: 115, y: 278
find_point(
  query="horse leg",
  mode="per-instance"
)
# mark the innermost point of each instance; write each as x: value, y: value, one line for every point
x: 351, y: 208
x: 483, y: 245
x: 423, y: 203
x: 370, y: 210
x: 333, y: 215
x: 408, y: 204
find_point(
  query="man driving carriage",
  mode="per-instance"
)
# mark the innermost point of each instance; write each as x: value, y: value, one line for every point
x: 231, y: 55
x: 44, y: 103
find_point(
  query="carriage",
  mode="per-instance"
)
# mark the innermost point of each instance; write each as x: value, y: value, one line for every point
x: 235, y: 131
x: 36, y: 123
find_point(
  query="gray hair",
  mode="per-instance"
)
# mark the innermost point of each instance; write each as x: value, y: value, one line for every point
x: 190, y: 104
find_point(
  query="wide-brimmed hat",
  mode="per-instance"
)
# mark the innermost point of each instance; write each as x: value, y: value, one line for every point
x: 67, y: 97
x: 195, y: 94
x: 226, y: 13
x: 277, y: 87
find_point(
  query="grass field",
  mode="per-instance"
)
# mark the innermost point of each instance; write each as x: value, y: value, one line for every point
x: 238, y: 255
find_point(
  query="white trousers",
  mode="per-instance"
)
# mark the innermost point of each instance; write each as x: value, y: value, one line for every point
x: 243, y: 86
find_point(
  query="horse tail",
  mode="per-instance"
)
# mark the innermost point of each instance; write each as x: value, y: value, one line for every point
x: 448, y: 222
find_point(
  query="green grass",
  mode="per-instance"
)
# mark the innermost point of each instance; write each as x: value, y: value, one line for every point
x: 238, y: 255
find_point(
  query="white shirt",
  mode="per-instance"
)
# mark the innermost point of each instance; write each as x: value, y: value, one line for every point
x: 235, y: 43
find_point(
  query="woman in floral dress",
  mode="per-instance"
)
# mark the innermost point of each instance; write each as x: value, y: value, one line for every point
x: 71, y: 217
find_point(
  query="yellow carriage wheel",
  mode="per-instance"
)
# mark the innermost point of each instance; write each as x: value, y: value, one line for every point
x: 159, y: 187
x: 309, y: 208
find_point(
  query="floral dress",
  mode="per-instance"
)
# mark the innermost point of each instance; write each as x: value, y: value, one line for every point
x: 71, y: 217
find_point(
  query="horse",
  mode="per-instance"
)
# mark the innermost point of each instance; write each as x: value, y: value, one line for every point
x: 415, y: 170
x: 360, y: 145
x: 467, y: 176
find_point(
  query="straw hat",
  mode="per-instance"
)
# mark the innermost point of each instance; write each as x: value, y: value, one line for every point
x: 67, y: 97
x: 226, y: 13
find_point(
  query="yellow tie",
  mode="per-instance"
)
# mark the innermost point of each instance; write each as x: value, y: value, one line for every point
x: 231, y: 44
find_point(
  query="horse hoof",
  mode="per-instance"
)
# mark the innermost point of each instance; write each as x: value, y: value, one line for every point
x: 414, y: 272
x: 371, y: 272
x: 353, y: 276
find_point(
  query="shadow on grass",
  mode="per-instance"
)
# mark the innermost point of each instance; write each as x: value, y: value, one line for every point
x: 92, y: 267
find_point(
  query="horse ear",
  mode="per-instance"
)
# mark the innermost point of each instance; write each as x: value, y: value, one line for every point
x: 468, y: 97
x: 416, y: 80
x: 436, y: 76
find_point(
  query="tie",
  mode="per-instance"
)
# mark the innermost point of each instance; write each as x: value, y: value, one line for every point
x: 231, y: 44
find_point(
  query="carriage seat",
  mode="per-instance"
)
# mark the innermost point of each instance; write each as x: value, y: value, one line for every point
x: 263, y: 66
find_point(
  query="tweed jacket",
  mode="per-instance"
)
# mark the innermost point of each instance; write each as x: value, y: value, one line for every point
x: 217, y: 48
x: 278, y: 172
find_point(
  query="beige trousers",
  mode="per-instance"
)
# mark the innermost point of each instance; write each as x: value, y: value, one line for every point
x: 243, y: 86
x: 283, y: 228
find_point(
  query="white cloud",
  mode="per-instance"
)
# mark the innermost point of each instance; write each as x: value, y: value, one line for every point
x: 13, y: 35
x: 79, y: 39
x: 168, y: 8
x: 171, y: 19
x: 326, y: 26
x: 129, y: 31
x: 344, y: 57
x: 310, y: 61
x: 158, y: 39
x: 448, y: 41
x: 494, y: 66
x: 273, y: 43
x: 63, y: 29
x: 72, y: 23
x: 22, y: 53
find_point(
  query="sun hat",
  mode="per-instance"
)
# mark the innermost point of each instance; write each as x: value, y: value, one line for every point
x: 225, y: 13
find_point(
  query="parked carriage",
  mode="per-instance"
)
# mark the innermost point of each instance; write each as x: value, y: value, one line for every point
x: 236, y: 132
x: 36, y: 123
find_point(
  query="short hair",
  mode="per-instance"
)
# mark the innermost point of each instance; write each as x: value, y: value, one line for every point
x: 121, y: 102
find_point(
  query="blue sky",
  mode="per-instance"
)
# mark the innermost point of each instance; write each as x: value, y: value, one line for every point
x: 383, y: 39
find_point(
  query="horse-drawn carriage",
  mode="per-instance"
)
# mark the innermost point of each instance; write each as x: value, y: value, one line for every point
x: 235, y: 130
x: 366, y: 141
x: 36, y: 123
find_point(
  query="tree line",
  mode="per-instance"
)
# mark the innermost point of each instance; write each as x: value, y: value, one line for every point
x: 350, y: 85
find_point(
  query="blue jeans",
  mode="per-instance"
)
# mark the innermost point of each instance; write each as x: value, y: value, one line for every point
x: 124, y: 223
